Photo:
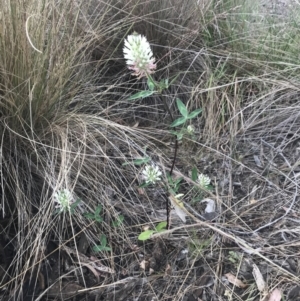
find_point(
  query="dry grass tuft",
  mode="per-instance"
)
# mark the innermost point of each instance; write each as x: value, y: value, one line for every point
x: 65, y: 123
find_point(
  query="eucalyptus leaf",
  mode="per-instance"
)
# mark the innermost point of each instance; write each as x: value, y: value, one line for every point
x: 182, y: 108
x: 210, y: 205
x: 141, y: 94
x: 178, y: 206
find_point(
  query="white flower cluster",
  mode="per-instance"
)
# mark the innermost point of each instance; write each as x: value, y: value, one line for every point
x: 151, y: 174
x: 139, y: 55
x: 63, y: 199
x: 204, y: 180
x: 190, y: 129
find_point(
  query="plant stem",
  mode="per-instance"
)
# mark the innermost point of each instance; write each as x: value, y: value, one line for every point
x: 173, y: 164
x: 175, y: 149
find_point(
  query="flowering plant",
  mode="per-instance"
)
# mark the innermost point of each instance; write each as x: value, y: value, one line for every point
x: 139, y: 58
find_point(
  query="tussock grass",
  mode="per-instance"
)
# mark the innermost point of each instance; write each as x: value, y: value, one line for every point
x: 52, y: 138
x: 65, y: 123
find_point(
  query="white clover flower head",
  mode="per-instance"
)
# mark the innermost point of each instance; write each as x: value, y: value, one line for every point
x: 63, y: 199
x: 203, y: 180
x: 151, y: 174
x: 190, y: 129
x: 138, y: 55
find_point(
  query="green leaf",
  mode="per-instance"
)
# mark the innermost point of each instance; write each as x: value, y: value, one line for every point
x: 141, y: 161
x: 182, y: 108
x: 98, y: 210
x: 74, y: 205
x: 150, y: 84
x: 194, y: 174
x: 57, y: 211
x: 209, y: 187
x: 174, y: 185
x: 194, y: 113
x: 106, y: 249
x: 179, y: 136
x: 95, y: 216
x: 178, y: 181
x: 89, y: 215
x: 98, y: 219
x: 141, y: 94
x: 170, y: 179
x: 103, y: 240
x: 162, y: 84
x: 174, y: 133
x: 161, y: 226
x: 178, y: 121
x: 97, y: 248
x: 146, y: 235
x: 100, y: 248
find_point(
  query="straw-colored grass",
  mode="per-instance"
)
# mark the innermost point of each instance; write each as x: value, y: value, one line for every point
x: 65, y: 123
